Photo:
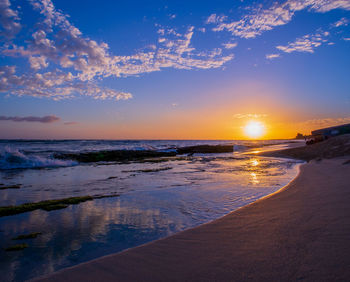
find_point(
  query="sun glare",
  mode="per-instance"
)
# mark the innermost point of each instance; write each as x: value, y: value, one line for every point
x: 254, y: 129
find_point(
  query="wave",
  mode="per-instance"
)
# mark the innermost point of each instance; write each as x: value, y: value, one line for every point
x: 240, y: 148
x: 14, y: 159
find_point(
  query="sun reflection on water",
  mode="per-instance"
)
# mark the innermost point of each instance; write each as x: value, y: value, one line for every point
x: 254, y: 178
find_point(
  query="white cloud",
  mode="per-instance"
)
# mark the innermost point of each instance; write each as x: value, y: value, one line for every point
x: 346, y: 38
x: 38, y: 62
x: 59, y: 44
x: 272, y: 56
x: 307, y: 43
x: 328, y: 5
x: 230, y: 45
x: 245, y: 116
x: 56, y: 85
x: 174, y: 51
x: 213, y: 18
x: 93, y: 59
x: 9, y: 20
x: 341, y: 22
x: 278, y: 14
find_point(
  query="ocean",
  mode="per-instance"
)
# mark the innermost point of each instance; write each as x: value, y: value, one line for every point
x: 148, y: 198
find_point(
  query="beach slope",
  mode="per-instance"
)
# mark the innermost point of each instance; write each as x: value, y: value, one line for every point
x: 300, y: 233
x: 332, y: 148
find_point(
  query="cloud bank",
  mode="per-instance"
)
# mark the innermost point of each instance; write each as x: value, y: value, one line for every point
x: 44, y: 119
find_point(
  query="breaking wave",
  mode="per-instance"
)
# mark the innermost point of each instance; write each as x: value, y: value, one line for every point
x: 13, y: 159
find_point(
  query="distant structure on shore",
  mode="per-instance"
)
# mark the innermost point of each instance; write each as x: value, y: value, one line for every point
x: 325, y: 133
x: 300, y: 136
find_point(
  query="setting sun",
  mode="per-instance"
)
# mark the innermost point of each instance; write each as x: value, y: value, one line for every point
x: 254, y: 129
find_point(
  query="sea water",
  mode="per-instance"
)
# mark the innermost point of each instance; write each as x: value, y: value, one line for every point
x: 156, y: 199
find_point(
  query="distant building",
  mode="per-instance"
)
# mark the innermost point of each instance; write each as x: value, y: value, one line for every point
x: 325, y: 133
x: 300, y: 136
x: 332, y: 131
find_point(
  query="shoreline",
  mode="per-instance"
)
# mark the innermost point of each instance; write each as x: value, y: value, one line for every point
x: 48, y: 276
x: 144, y: 262
x: 214, y: 203
x: 137, y: 263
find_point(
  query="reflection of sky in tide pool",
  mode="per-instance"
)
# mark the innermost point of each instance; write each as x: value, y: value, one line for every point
x: 152, y: 205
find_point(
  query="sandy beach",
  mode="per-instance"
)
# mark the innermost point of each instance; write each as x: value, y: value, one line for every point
x: 174, y: 140
x: 299, y: 233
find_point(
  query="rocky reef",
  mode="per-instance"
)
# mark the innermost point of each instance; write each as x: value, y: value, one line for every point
x: 139, y: 155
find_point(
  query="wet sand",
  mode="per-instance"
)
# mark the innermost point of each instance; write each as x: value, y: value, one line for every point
x: 301, y: 232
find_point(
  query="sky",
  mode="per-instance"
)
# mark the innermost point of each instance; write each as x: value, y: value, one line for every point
x: 172, y: 69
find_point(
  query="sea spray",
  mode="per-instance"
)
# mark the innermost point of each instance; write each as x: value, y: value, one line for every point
x: 11, y: 158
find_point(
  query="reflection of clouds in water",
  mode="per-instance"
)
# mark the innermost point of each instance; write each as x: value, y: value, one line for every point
x: 97, y: 217
x: 65, y: 231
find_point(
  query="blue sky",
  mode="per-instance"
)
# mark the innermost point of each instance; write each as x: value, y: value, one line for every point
x: 172, y: 69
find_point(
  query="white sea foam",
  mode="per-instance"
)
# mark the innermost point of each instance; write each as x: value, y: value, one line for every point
x: 11, y: 158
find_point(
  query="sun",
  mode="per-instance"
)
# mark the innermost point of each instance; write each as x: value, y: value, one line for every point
x: 254, y: 129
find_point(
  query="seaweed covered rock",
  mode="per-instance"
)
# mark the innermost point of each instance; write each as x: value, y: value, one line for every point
x: 206, y: 149
x: 116, y: 155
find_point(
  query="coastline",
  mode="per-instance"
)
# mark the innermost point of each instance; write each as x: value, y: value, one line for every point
x: 253, y: 242
x: 332, y: 148
x: 297, y: 168
x: 136, y: 218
